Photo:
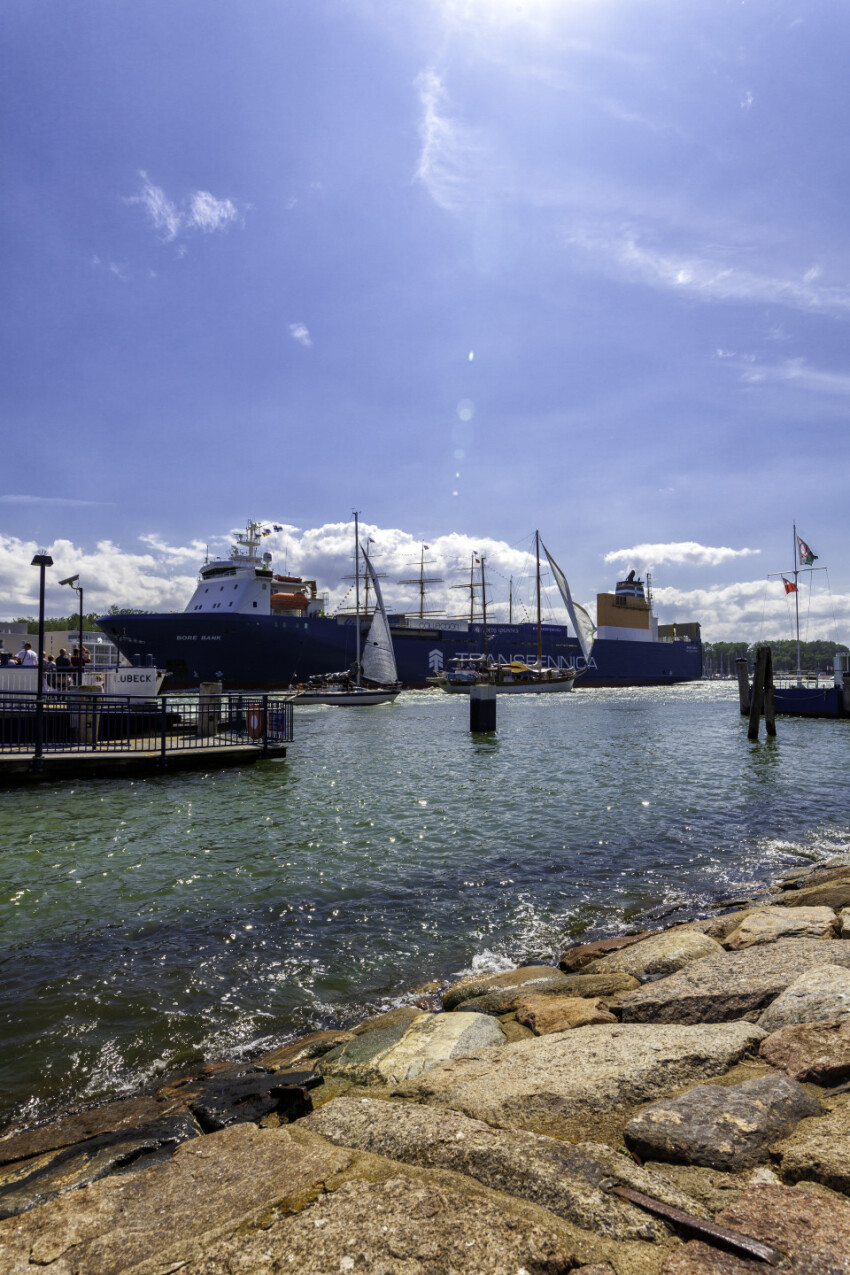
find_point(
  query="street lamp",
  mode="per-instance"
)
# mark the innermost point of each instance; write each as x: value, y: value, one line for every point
x: 42, y: 561
x: 78, y: 588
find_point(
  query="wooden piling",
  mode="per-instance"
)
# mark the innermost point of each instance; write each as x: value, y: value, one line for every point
x: 743, y: 686
x: 482, y: 708
x: 769, y: 706
x: 762, y: 656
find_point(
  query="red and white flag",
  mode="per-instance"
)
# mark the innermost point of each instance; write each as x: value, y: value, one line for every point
x: 790, y: 586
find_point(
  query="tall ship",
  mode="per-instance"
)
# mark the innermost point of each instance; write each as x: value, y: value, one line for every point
x: 250, y: 627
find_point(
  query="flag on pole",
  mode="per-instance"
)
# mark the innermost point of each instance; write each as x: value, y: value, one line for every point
x: 277, y: 528
x: 267, y: 531
x: 790, y: 586
x: 806, y: 555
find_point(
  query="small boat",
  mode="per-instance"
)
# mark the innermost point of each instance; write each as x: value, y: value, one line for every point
x: 516, y: 677
x: 377, y: 667
x: 513, y: 678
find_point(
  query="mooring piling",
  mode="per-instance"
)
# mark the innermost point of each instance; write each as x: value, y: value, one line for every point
x: 743, y: 686
x: 762, y: 694
x: 482, y: 708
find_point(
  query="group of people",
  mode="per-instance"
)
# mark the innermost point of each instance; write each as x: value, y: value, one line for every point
x: 28, y: 658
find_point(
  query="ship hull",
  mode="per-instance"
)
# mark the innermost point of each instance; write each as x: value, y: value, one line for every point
x: 274, y: 651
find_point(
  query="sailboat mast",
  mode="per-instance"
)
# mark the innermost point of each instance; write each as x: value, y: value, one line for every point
x: 422, y: 584
x: 484, y: 605
x: 357, y: 588
x: 797, y: 601
x: 511, y: 601
x: 539, y: 617
x: 472, y: 589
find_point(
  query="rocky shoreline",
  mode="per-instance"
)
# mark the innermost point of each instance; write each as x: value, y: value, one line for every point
x: 673, y: 1102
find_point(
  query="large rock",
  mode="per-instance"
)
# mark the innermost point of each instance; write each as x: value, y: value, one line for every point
x: 391, y: 1055
x: 25, y: 1184
x: 818, y: 1052
x: 253, y: 1098
x: 545, y: 1014
x: 560, y: 1084
x: 575, y: 958
x: 209, y: 1187
x: 508, y: 999
x: 729, y: 985
x: 726, y: 1127
x: 833, y: 894
x: 817, y: 1150
x: 558, y: 1175
x: 766, y: 925
x: 818, y: 993
x: 536, y: 978
x: 302, y: 1050
x: 844, y: 923
x: 662, y: 954
x: 20, y: 1142
x: 811, y: 1229
x: 393, y: 1226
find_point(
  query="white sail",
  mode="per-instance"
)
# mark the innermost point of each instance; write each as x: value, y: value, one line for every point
x: 378, y: 658
x: 581, y: 621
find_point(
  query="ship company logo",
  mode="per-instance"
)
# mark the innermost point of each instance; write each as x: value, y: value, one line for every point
x: 435, y: 661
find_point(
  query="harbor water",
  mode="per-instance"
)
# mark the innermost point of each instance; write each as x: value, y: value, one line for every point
x: 147, y: 924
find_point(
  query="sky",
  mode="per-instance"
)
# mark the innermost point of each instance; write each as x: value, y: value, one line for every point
x: 472, y: 267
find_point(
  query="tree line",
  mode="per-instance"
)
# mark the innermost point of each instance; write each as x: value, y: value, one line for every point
x: 53, y: 623
x: 814, y: 656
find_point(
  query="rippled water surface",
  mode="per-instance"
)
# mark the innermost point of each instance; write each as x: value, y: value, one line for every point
x: 143, y: 924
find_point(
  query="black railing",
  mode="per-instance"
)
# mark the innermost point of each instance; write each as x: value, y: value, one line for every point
x: 93, y: 722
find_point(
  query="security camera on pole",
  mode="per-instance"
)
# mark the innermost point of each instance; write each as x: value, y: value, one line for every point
x: 72, y: 581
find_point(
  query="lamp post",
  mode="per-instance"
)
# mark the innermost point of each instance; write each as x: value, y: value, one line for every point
x: 78, y: 588
x: 42, y: 561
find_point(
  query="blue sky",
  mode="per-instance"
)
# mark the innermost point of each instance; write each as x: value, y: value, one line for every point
x: 471, y: 266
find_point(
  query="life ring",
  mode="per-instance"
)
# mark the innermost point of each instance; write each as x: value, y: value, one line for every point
x: 255, y: 723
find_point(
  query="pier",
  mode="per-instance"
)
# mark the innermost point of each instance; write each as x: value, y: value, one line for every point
x: 87, y: 734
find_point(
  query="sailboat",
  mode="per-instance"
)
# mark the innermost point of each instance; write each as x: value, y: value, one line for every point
x: 516, y: 677
x: 375, y: 665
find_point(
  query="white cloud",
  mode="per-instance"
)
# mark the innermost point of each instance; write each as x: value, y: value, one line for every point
x: 709, y: 272
x: 163, y: 578
x: 301, y: 333
x: 199, y: 211
x: 108, y: 574
x: 680, y: 552
x: 449, y: 159
x: 799, y: 373
x: 49, y: 500
x: 756, y: 610
x: 207, y: 213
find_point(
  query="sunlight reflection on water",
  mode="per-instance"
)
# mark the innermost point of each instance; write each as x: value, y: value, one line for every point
x: 147, y: 923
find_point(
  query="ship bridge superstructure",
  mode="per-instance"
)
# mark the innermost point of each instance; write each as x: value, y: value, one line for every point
x: 244, y: 583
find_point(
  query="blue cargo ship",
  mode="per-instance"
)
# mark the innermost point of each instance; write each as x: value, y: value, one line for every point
x: 248, y: 627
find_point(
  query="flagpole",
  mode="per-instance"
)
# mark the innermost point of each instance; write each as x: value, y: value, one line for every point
x: 797, y: 603
x: 357, y: 588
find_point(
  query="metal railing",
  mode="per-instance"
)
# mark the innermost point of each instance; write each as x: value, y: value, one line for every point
x: 81, y: 721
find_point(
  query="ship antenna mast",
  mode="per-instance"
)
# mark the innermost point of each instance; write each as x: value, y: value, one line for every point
x: 539, y: 615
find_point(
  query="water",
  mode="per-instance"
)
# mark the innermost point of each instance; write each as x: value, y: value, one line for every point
x: 146, y: 924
